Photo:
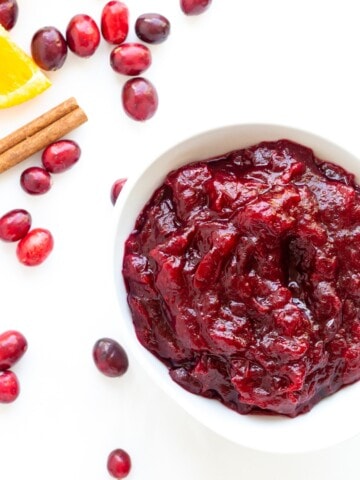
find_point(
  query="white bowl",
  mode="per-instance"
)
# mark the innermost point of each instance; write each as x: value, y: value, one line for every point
x: 331, y: 421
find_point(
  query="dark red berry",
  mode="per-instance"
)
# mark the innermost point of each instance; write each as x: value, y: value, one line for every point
x: 36, y: 180
x: 35, y: 247
x: 82, y: 35
x: 110, y: 357
x: 14, y: 225
x: 13, y: 345
x: 9, y: 11
x: 115, y: 22
x: 60, y: 156
x: 152, y: 28
x: 9, y: 387
x: 116, y: 189
x: 49, y: 48
x: 130, y: 58
x: 194, y: 7
x: 119, y: 463
x: 139, y: 98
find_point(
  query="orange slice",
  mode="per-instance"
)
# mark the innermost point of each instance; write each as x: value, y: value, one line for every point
x: 20, y: 78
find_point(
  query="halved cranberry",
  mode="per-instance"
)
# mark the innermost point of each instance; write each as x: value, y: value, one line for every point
x: 130, y: 58
x: 49, y: 48
x: 119, y: 463
x: 152, y: 28
x: 115, y: 22
x: 60, y: 156
x: 9, y: 11
x: 14, y: 225
x: 194, y: 7
x: 9, y: 387
x: 110, y: 357
x: 13, y: 345
x: 116, y: 189
x: 82, y: 35
x: 35, y: 247
x: 35, y: 180
x: 140, y: 99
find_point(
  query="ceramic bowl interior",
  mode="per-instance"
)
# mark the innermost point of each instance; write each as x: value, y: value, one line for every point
x: 335, y: 418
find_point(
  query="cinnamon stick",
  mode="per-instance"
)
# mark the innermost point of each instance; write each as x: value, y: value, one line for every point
x: 40, y: 132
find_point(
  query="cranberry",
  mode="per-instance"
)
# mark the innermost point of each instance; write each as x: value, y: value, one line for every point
x: 130, y: 58
x: 119, y: 463
x: 116, y: 189
x: 35, y: 247
x: 139, y: 98
x: 35, y: 180
x: 60, y: 156
x: 13, y: 345
x: 8, y: 13
x: 115, y: 22
x: 14, y: 225
x: 194, y: 7
x: 110, y: 357
x: 82, y: 35
x: 152, y: 28
x: 9, y: 387
x: 49, y: 48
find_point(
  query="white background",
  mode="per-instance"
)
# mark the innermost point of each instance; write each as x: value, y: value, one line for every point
x: 293, y: 63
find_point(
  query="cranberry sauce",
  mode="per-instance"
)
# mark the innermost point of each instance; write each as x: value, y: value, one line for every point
x: 243, y: 277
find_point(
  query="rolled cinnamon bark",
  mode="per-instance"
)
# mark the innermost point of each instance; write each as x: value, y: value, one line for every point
x: 40, y: 132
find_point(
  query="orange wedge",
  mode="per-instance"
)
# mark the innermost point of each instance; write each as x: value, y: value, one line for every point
x: 20, y: 78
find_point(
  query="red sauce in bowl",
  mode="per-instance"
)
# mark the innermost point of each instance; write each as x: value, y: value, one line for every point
x: 243, y: 277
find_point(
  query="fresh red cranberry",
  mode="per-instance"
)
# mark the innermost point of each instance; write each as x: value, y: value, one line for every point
x: 110, y: 357
x: 116, y: 189
x: 140, y: 99
x: 49, y: 48
x: 119, y: 463
x: 36, y: 180
x: 35, y: 247
x: 152, y: 28
x: 60, y: 156
x: 130, y: 58
x: 13, y: 345
x: 115, y: 22
x: 9, y: 11
x: 14, y: 225
x: 9, y: 387
x: 194, y: 7
x: 83, y: 35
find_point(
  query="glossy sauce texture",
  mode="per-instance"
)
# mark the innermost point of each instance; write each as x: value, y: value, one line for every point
x: 243, y: 277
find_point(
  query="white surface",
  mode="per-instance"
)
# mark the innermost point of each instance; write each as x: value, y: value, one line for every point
x: 273, y: 434
x: 292, y: 63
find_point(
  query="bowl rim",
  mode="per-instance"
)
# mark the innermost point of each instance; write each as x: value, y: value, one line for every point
x: 272, y: 434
